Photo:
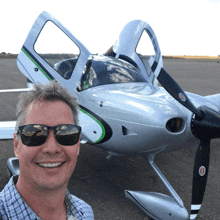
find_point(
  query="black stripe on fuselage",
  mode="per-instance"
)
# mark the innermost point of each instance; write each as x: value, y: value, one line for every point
x: 38, y: 63
x: 154, y: 66
x: 108, y: 130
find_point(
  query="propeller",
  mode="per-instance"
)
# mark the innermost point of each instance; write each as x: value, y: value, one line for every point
x: 205, y: 125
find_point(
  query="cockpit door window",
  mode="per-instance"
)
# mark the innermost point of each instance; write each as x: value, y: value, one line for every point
x: 48, y: 43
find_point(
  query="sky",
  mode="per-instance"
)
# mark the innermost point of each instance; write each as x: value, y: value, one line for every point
x: 182, y: 27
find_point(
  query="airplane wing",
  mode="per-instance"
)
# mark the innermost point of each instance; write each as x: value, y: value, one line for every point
x: 15, y: 90
x: 7, y: 128
x: 137, y: 42
x: 48, y: 43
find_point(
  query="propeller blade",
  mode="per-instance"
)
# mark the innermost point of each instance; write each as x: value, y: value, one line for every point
x: 175, y: 90
x: 205, y: 126
x: 200, y: 174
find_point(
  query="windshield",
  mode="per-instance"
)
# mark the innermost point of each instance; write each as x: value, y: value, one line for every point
x: 101, y: 70
x: 105, y: 70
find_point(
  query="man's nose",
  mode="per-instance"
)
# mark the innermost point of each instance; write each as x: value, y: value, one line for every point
x: 51, y: 145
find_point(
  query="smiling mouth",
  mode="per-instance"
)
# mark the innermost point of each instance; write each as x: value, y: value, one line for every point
x: 50, y: 165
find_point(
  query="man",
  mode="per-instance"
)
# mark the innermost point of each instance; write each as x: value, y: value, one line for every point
x: 47, y: 145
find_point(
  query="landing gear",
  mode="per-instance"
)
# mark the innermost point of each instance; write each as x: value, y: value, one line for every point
x: 156, y: 205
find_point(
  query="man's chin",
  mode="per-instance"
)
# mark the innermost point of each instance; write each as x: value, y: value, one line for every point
x: 50, y: 184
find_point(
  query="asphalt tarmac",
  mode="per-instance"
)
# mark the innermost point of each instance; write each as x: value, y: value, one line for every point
x: 101, y: 182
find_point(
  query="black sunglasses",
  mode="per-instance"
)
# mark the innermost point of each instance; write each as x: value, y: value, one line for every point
x: 36, y: 134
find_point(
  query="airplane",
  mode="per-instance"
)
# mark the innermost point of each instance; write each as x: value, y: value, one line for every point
x: 128, y: 104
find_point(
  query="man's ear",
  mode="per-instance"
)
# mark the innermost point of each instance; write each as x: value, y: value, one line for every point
x: 15, y: 142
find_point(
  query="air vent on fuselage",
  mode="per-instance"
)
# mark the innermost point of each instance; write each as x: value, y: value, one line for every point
x: 175, y: 125
x: 126, y: 131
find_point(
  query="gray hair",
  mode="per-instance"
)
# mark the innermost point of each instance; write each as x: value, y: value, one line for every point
x: 50, y: 92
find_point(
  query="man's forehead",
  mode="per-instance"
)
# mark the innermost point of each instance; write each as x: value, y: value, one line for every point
x: 46, y: 106
x: 36, y: 104
x: 30, y: 107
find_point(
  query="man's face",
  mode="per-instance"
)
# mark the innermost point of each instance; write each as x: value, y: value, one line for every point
x: 36, y: 161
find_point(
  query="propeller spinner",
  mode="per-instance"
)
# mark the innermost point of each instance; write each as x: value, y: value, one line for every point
x: 205, y: 125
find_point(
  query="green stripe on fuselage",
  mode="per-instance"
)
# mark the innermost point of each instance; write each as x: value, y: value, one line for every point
x: 103, y: 129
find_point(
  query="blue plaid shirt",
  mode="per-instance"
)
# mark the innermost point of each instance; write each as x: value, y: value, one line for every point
x: 13, y: 207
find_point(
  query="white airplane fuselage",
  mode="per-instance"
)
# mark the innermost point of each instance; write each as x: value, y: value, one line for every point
x: 138, y: 115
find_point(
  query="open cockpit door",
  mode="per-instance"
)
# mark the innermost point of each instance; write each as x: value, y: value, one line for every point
x: 136, y: 44
x: 47, y: 44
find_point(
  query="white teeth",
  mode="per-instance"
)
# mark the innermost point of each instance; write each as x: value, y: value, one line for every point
x: 50, y: 164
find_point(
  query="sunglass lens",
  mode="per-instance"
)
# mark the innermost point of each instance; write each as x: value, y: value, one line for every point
x: 67, y: 134
x: 34, y: 135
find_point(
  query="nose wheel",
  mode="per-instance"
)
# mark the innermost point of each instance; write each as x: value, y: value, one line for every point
x: 156, y: 205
